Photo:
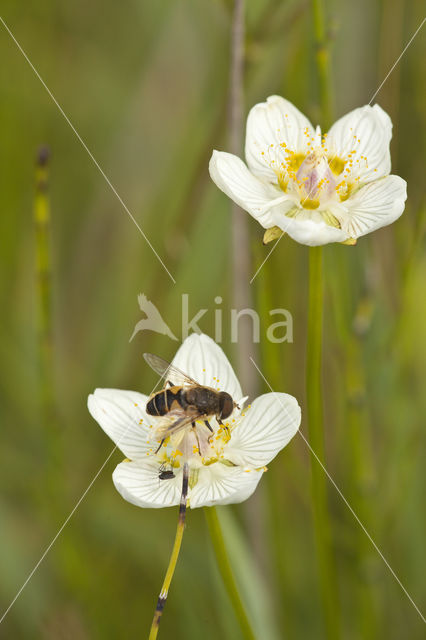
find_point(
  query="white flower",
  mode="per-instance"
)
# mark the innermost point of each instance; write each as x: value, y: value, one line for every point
x: 233, y: 459
x: 318, y: 188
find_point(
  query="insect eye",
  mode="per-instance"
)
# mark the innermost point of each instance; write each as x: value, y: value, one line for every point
x: 226, y: 405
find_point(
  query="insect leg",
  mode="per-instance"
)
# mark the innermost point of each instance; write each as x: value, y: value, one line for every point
x: 206, y: 422
x: 222, y: 424
x: 198, y: 440
x: 159, y: 446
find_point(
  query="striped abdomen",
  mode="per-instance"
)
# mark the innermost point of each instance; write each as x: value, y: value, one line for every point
x: 162, y: 402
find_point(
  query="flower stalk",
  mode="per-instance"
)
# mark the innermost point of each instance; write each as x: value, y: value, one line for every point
x: 327, y: 569
x: 322, y: 527
x: 226, y: 572
x: 173, y: 558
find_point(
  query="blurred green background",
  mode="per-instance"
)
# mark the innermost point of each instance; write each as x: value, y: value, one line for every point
x: 146, y: 85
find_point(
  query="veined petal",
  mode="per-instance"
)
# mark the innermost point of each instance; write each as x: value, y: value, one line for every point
x: 219, y: 484
x: 365, y: 133
x: 310, y: 232
x: 202, y: 359
x: 122, y: 416
x: 138, y: 483
x: 375, y: 205
x: 233, y: 178
x: 266, y: 428
x: 273, y: 127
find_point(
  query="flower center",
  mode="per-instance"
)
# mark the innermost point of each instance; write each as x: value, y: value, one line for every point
x: 198, y: 446
x: 315, y: 180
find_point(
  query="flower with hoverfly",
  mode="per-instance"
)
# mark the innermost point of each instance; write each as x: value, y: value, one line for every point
x: 227, y: 449
x: 192, y: 443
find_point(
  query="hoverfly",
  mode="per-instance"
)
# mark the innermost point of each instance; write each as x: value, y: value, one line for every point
x: 184, y: 401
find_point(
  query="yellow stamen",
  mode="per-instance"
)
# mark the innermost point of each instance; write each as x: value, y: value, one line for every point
x: 294, y: 161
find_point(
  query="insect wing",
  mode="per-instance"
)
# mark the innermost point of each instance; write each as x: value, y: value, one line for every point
x: 167, y: 370
x: 175, y: 422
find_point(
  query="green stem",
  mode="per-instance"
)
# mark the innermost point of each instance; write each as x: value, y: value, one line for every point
x: 226, y: 571
x: 361, y: 479
x: 173, y: 558
x: 322, y: 527
x: 322, y: 56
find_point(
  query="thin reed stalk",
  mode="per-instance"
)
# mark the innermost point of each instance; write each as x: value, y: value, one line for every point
x: 43, y: 280
x: 46, y: 380
x: 226, y: 572
x: 242, y: 295
x: 322, y: 58
x: 322, y: 523
x: 242, y: 267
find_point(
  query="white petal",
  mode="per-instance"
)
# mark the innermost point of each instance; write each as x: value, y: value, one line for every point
x: 231, y: 175
x: 310, y: 232
x: 219, y: 484
x: 122, y: 416
x: 202, y: 359
x: 375, y: 205
x: 138, y: 483
x: 268, y: 426
x: 367, y: 131
x: 269, y: 125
